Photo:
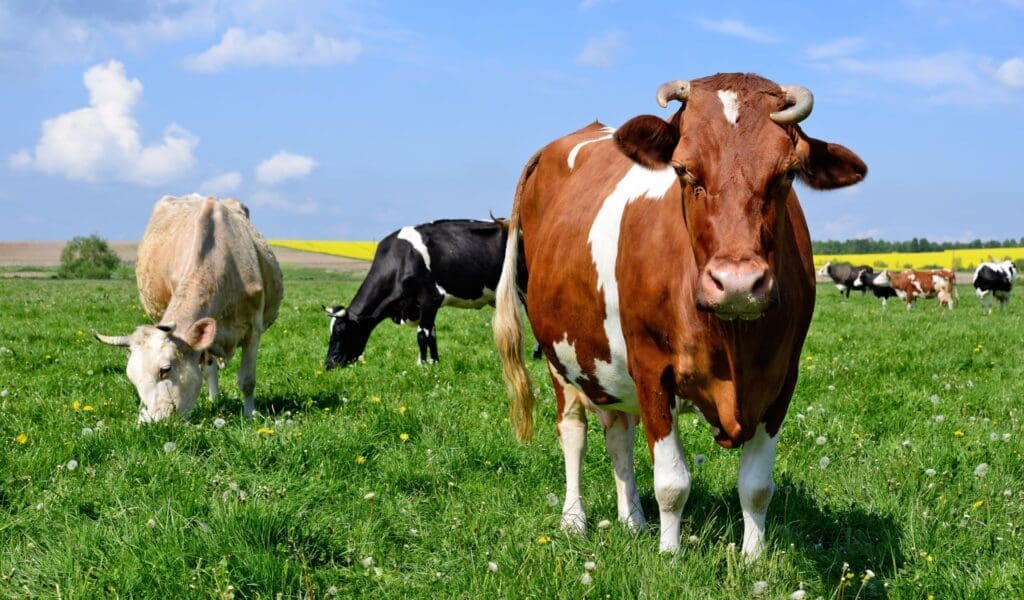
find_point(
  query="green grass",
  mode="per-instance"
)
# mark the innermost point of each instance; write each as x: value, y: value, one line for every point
x: 236, y: 511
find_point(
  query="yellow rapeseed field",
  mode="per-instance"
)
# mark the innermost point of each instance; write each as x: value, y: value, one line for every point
x: 360, y: 250
x: 959, y: 260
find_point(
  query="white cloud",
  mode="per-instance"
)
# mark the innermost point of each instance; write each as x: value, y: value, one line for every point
x: 601, y: 51
x: 944, y: 69
x: 738, y: 29
x: 1011, y: 73
x: 273, y: 200
x: 835, y: 48
x: 284, y: 165
x: 102, y: 141
x: 238, y: 48
x: 222, y: 184
x: 589, y: 4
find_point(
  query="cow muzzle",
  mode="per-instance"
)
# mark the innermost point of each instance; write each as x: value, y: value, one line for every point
x: 736, y: 289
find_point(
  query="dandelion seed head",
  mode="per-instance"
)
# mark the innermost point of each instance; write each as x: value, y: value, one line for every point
x: 332, y: 591
x: 824, y: 462
x: 798, y: 595
x: 151, y: 523
x: 759, y: 589
x: 586, y: 579
x: 993, y: 437
x: 72, y: 465
x: 604, y: 524
x: 169, y: 447
x: 1006, y: 437
x: 367, y: 562
x: 906, y: 443
x: 3, y: 393
x: 938, y: 418
x: 551, y: 499
x: 929, y: 472
x: 492, y: 567
x: 87, y: 431
x: 370, y: 496
x: 693, y: 539
x: 219, y: 422
x: 981, y: 470
x: 821, y: 440
x: 935, y: 399
x: 589, y: 565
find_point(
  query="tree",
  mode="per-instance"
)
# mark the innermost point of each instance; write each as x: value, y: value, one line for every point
x: 87, y: 258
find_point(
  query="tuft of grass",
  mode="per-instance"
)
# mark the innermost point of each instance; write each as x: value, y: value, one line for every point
x: 321, y: 491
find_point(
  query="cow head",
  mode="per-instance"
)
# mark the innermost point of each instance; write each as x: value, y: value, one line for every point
x: 883, y: 279
x: 164, y: 367
x: 348, y: 338
x: 823, y: 271
x: 737, y: 148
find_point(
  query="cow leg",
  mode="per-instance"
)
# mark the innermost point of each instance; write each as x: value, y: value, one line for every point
x: 572, y: 435
x: 756, y: 488
x: 212, y: 371
x: 247, y: 374
x: 619, y: 435
x: 426, y: 335
x: 671, y: 475
x: 885, y: 303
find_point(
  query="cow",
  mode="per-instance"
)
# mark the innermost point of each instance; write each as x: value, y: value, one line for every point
x: 415, y: 271
x: 670, y: 270
x: 994, y: 279
x: 866, y: 281
x: 910, y: 285
x: 844, y: 276
x: 210, y: 283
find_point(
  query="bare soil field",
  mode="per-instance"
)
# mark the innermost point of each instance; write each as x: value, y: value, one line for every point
x: 47, y: 254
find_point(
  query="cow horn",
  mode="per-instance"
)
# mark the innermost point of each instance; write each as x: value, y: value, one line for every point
x: 673, y: 90
x: 799, y: 102
x: 114, y: 340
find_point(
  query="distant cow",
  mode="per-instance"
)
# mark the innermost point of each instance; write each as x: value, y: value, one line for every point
x: 417, y: 270
x: 844, y: 276
x: 209, y: 280
x: 670, y: 271
x: 911, y: 285
x: 994, y: 279
x: 866, y: 281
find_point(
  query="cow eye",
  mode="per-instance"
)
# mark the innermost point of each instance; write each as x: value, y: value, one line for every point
x: 165, y: 372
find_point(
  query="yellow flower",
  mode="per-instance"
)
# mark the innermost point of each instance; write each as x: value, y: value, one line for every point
x: 543, y: 539
x: 318, y: 372
x: 375, y: 399
x: 360, y: 459
x: 404, y: 437
x: 402, y: 409
x: 76, y: 405
x: 88, y: 408
x: 265, y: 431
x: 929, y: 558
x: 21, y: 439
x: 958, y: 433
x: 978, y: 504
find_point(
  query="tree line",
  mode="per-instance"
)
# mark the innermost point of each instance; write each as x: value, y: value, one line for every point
x: 873, y: 246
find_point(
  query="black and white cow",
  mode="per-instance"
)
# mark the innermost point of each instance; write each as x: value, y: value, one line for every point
x: 994, y: 279
x: 417, y: 270
x: 844, y: 276
x: 866, y: 281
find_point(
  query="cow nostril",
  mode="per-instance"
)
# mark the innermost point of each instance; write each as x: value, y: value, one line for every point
x: 717, y: 280
x: 760, y: 284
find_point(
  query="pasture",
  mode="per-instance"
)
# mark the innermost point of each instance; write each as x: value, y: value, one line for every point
x: 901, y: 454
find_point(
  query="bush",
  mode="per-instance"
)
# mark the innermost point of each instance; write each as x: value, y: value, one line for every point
x: 87, y: 258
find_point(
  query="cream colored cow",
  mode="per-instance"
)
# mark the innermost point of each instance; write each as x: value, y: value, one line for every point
x: 210, y: 282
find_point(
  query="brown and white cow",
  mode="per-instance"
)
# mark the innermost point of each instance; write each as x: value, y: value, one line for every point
x: 670, y: 270
x: 911, y: 285
x: 210, y: 282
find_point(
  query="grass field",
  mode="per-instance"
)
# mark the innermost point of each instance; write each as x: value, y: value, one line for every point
x: 902, y: 454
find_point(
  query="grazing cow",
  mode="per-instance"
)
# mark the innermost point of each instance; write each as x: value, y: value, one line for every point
x: 417, y: 270
x: 844, y: 276
x: 671, y: 270
x: 911, y: 285
x: 994, y: 279
x: 210, y: 282
x: 866, y: 281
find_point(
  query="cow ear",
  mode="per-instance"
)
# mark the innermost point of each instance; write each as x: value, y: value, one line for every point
x: 647, y: 140
x: 202, y: 333
x: 825, y: 166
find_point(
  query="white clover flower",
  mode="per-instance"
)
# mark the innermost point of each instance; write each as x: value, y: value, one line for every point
x: 981, y: 470
x: 869, y: 575
x: 604, y: 524
x: 586, y: 579
x: 760, y: 587
x: 929, y: 472
x: 831, y: 388
x: 370, y: 496
x: 219, y: 422
x: 151, y: 523
x: 169, y: 447
x: 492, y: 567
x: 367, y: 562
x: 824, y: 462
x: 821, y: 440
x: 693, y: 539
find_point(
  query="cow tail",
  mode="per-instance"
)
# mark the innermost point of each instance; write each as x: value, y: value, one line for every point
x: 508, y: 324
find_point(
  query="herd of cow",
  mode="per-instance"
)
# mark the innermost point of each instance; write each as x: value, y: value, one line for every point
x: 665, y: 267
x: 992, y: 280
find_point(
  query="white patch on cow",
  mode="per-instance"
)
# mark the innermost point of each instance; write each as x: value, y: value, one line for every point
x: 412, y: 236
x: 671, y: 486
x: 841, y: 287
x: 485, y: 299
x: 730, y: 105
x: 608, y: 131
x: 572, y: 434
x: 604, y: 248
x: 756, y: 488
x: 566, y: 353
x: 619, y: 438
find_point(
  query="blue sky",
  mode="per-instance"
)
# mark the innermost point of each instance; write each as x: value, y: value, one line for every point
x: 347, y: 120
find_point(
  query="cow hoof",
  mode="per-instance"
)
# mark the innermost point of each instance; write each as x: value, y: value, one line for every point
x: 634, y: 522
x: 671, y: 547
x: 574, y: 523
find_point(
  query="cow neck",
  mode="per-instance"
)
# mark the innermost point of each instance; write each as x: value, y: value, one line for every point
x: 375, y: 300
